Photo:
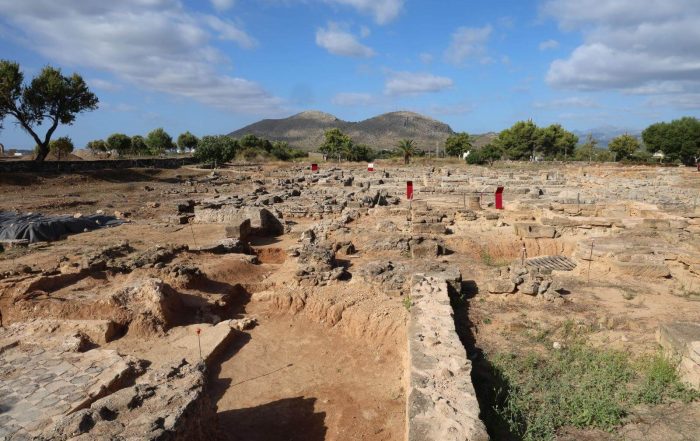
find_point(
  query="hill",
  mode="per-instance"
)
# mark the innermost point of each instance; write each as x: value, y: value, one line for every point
x: 305, y: 130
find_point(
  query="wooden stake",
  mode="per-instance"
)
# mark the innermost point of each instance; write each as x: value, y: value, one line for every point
x: 590, y: 259
x: 193, y: 238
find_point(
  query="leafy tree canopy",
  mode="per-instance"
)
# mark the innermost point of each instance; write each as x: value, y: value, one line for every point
x: 623, y: 146
x: 119, y: 142
x: 49, y: 100
x: 678, y: 140
x: 457, y: 144
x: 97, y: 145
x: 158, y: 141
x: 187, y: 141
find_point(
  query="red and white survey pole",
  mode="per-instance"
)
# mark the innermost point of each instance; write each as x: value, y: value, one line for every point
x: 370, y: 166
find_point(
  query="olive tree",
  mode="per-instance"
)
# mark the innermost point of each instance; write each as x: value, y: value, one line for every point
x: 48, y: 100
x: 158, y: 141
x: 187, y: 141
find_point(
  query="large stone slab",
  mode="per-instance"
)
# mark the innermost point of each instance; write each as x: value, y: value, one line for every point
x: 682, y: 339
x: 441, y: 402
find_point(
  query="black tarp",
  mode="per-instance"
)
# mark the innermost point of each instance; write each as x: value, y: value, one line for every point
x: 40, y: 228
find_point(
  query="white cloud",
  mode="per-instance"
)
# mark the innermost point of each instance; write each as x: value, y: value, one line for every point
x: 688, y: 101
x: 154, y: 44
x: 629, y: 45
x: 101, y: 84
x: 426, y: 58
x: 468, y: 43
x: 337, y: 40
x: 548, y: 44
x: 353, y: 99
x: 413, y: 83
x: 222, y: 5
x: 229, y: 31
x: 574, y: 101
x: 383, y: 11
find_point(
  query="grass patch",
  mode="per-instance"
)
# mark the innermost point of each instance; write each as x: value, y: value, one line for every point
x: 489, y: 260
x: 407, y: 302
x: 578, y: 386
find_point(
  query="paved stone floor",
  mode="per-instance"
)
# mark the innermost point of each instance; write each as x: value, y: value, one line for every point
x: 38, y: 385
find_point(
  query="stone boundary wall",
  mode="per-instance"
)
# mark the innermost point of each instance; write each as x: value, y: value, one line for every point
x: 103, y: 164
x: 441, y: 402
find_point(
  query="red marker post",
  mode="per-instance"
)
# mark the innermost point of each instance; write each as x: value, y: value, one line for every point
x: 370, y: 166
x: 314, y: 167
x: 409, y: 190
x: 499, y: 198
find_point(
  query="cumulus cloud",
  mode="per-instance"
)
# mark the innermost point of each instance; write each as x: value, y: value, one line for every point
x: 549, y: 44
x: 383, y: 11
x: 629, y: 45
x: 414, y: 83
x: 574, y: 101
x: 339, y: 41
x: 153, y: 44
x: 351, y: 99
x: 468, y: 43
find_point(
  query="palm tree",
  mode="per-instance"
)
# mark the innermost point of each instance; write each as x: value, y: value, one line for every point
x: 405, y: 146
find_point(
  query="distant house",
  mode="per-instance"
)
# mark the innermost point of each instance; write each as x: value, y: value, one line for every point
x: 659, y: 155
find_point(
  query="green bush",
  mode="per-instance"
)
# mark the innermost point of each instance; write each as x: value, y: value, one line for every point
x: 216, y: 149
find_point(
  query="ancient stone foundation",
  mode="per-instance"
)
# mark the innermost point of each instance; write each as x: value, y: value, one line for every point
x: 441, y: 403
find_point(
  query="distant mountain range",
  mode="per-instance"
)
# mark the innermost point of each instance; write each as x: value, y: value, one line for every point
x: 305, y: 131
x: 605, y: 134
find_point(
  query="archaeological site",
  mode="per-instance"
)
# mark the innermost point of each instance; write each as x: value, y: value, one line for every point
x: 275, y: 302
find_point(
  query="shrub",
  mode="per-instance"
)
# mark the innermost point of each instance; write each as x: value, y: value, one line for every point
x: 216, y: 149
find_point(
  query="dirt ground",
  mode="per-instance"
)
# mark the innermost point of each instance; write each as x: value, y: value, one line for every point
x: 326, y: 362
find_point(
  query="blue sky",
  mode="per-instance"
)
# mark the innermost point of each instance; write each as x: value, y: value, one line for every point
x: 212, y: 66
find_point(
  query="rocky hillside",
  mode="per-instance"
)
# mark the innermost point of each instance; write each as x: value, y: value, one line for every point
x: 305, y: 130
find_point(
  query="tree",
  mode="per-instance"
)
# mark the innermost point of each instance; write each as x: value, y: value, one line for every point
x: 457, y: 144
x: 335, y: 142
x: 556, y: 141
x: 49, y: 100
x: 216, y: 149
x: 138, y: 145
x: 519, y: 141
x: 485, y: 155
x: 97, y: 145
x: 61, y: 146
x: 158, y: 141
x: 588, y: 151
x: 406, y: 148
x: 623, y: 146
x: 187, y: 141
x: 678, y: 140
x: 119, y: 142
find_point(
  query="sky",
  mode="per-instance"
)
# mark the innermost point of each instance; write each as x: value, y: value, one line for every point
x: 213, y: 66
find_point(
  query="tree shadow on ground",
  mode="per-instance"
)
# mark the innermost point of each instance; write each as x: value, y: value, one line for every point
x: 489, y: 383
x: 288, y: 419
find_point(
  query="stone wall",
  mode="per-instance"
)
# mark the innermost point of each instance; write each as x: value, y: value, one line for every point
x: 441, y: 402
x: 78, y: 166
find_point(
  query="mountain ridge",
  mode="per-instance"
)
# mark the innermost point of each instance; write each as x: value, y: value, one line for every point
x: 305, y: 130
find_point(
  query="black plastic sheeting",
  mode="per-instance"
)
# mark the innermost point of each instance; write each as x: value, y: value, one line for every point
x: 39, y: 228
